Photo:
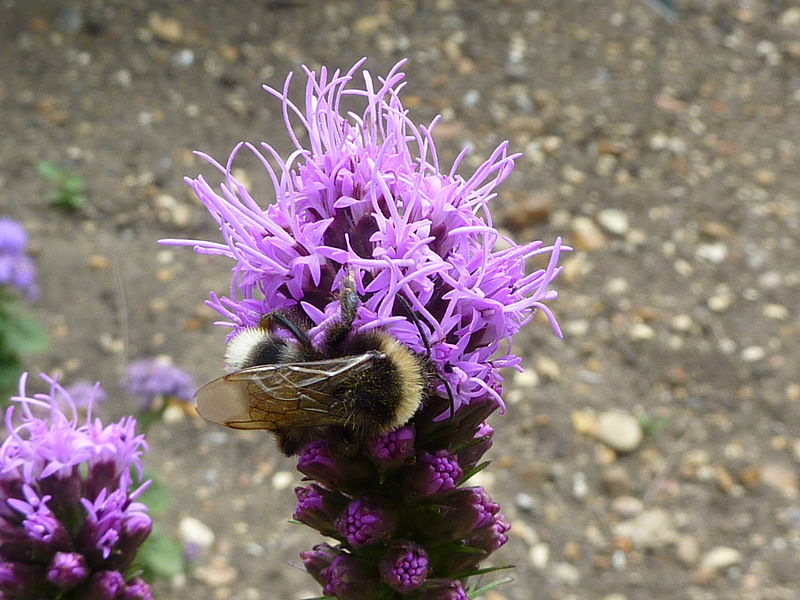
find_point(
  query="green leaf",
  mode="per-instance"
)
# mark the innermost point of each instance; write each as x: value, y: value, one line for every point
x: 161, y: 555
x: 651, y: 425
x: 49, y: 171
x: 73, y: 184
x: 474, y: 572
x: 474, y: 471
x: 489, y: 586
x: 22, y: 333
x: 157, y: 497
x: 10, y: 370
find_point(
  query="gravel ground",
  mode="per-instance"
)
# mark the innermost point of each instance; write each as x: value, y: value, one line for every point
x: 654, y: 452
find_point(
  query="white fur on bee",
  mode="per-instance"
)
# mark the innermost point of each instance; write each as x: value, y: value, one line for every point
x: 241, y: 346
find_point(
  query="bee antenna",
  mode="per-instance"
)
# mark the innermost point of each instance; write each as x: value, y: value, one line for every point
x: 415, y: 318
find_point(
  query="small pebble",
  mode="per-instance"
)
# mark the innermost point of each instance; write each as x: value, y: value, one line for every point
x: 619, y: 430
x: 282, y: 480
x: 524, y: 501
x: 718, y: 559
x: 539, y: 555
x: 642, y: 331
x: 613, y: 221
x: 165, y: 29
x: 753, y: 354
x: 586, y: 235
x: 627, y: 506
x: 194, y: 531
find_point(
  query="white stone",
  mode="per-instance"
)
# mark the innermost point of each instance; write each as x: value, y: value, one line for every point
x: 613, y: 221
x: 650, y: 529
x: 720, y: 558
x: 753, y: 354
x: 194, y: 531
x: 539, y: 555
x: 282, y: 480
x: 619, y: 430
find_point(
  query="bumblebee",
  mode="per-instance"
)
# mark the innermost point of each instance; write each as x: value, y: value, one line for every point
x: 363, y: 383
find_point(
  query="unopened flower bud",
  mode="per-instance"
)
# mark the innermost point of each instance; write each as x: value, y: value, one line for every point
x: 350, y: 578
x: 444, y: 590
x: 318, y: 559
x: 318, y: 461
x: 435, y: 473
x: 106, y: 585
x: 404, y: 567
x: 392, y: 449
x: 137, y: 589
x: 67, y: 569
x: 366, y: 521
x: 318, y: 508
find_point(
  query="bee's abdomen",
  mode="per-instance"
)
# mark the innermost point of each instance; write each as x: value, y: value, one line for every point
x: 387, y: 395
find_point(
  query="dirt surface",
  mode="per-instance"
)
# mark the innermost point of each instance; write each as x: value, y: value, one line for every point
x: 667, y: 155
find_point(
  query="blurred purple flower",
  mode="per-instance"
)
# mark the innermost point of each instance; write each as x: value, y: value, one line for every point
x: 83, y: 393
x: 69, y: 519
x: 152, y: 378
x: 17, y: 269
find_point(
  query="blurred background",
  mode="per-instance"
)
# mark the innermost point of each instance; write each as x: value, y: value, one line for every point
x: 653, y: 453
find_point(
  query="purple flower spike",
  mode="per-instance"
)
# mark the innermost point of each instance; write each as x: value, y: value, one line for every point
x: 151, y: 378
x: 404, y: 567
x: 349, y: 578
x: 445, y: 590
x: 435, y: 473
x: 17, y: 269
x: 366, y: 521
x: 106, y: 585
x: 363, y: 198
x: 67, y: 569
x: 392, y: 449
x: 68, y: 515
x: 137, y: 590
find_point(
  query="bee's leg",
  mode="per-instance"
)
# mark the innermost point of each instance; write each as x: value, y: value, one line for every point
x: 348, y: 307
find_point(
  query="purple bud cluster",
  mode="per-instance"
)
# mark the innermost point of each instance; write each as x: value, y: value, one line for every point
x: 17, y: 269
x: 70, y: 525
x: 150, y: 379
x: 367, y: 198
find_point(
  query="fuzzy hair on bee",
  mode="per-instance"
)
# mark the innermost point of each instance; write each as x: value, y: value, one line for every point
x: 357, y: 383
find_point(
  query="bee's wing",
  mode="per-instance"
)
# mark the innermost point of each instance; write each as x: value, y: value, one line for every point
x: 279, y: 396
